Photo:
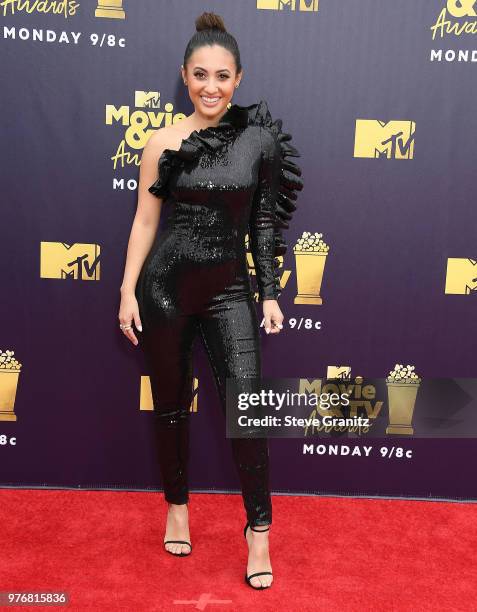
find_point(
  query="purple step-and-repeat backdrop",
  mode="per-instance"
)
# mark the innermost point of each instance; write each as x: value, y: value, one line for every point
x: 379, y: 273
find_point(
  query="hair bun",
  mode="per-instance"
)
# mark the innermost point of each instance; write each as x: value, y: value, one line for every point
x: 208, y: 21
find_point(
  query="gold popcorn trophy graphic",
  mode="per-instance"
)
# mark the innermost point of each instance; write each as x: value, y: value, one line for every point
x: 9, y: 373
x: 403, y: 384
x: 111, y: 9
x: 310, y: 258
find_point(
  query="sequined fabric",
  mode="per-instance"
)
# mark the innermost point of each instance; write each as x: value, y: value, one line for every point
x: 224, y: 182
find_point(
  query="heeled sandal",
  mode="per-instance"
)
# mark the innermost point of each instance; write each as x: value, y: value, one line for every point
x: 181, y: 554
x: 248, y: 578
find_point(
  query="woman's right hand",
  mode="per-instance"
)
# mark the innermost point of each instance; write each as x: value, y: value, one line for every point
x: 129, y: 312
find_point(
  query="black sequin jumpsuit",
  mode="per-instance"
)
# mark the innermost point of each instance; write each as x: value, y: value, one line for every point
x: 224, y: 182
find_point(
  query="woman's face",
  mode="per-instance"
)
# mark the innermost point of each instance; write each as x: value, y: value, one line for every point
x: 211, y: 79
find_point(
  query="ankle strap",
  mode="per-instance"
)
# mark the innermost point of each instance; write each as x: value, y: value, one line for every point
x: 267, y: 527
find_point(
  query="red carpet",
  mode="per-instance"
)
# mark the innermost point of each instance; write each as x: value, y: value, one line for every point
x: 105, y: 549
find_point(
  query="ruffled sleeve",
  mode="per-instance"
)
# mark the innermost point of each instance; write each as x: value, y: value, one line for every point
x: 263, y: 218
x: 274, y: 200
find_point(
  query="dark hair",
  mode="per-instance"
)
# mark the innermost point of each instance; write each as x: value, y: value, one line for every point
x: 211, y: 31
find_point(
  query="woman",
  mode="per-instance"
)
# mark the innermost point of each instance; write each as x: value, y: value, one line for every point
x: 224, y: 174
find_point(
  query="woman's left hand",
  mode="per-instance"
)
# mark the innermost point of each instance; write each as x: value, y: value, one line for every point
x: 273, y: 317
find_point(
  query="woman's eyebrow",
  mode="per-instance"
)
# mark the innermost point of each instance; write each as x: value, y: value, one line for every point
x: 221, y: 70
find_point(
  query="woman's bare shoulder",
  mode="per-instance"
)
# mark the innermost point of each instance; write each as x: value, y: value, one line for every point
x: 158, y: 139
x: 167, y: 137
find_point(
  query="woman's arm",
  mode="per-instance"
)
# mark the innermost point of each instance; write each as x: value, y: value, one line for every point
x: 262, y: 230
x: 143, y: 233
x: 146, y: 220
x: 262, y: 217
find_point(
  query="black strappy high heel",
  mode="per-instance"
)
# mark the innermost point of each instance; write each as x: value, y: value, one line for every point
x: 181, y: 554
x: 248, y: 578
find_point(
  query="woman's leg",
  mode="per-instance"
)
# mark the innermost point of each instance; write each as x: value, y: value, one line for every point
x: 230, y: 332
x: 168, y: 347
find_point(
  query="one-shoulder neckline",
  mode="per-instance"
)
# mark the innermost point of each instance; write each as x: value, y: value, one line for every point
x: 236, y: 116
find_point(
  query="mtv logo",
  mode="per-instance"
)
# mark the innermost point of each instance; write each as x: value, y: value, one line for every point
x: 147, y: 99
x: 461, y: 276
x: 391, y: 139
x: 343, y: 372
x: 288, y: 5
x: 146, y: 401
x: 77, y: 261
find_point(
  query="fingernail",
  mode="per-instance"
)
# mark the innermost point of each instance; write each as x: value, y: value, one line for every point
x: 140, y: 327
x: 267, y: 329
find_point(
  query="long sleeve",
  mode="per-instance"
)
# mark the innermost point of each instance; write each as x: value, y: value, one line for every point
x: 263, y: 217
